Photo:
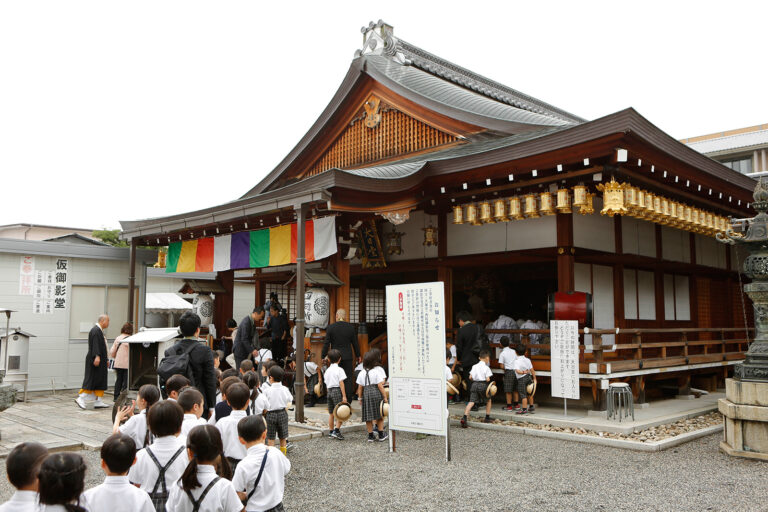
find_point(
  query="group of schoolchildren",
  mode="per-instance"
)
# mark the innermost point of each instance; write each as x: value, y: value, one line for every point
x: 518, y: 374
x: 168, y: 458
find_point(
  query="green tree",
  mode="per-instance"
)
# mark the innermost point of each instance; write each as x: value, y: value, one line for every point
x: 111, y: 237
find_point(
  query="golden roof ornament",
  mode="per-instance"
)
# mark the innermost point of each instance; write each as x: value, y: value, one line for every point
x: 588, y: 208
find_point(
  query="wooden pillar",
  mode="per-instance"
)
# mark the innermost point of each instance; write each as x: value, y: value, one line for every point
x: 298, y: 385
x: 362, y: 312
x: 565, y: 253
x: 259, y: 290
x: 445, y: 274
x: 341, y: 267
x: 132, y: 282
x: 658, y: 280
x: 618, y: 276
x: 442, y: 234
x: 223, y: 303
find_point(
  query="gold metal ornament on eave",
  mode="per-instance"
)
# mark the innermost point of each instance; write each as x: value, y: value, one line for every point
x: 486, y: 215
x: 563, y: 201
x: 546, y: 205
x: 500, y: 211
x: 613, y: 198
x: 458, y: 215
x: 516, y: 208
x: 530, y: 210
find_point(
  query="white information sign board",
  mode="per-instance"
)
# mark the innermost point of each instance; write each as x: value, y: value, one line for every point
x: 416, y: 354
x: 564, y: 344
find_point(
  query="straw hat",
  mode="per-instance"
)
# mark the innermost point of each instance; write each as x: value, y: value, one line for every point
x: 455, y: 379
x: 384, y: 409
x: 490, y: 390
x: 451, y: 388
x: 386, y: 389
x: 319, y: 390
x: 464, y: 385
x: 342, y: 411
x: 531, y: 388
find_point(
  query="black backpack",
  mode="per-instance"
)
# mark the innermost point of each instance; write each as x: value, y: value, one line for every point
x: 481, y: 340
x: 177, y: 363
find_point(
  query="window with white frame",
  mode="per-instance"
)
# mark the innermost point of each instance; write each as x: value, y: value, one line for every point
x: 639, y: 295
x: 677, y: 297
x: 354, y: 305
x: 375, y: 306
x: 285, y: 295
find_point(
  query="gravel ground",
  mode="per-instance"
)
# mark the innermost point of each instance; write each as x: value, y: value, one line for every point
x: 493, y: 471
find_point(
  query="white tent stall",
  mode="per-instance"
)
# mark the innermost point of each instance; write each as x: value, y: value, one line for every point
x: 160, y: 308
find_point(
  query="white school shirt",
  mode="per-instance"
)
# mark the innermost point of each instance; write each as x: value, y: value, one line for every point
x: 228, y: 428
x: 522, y: 363
x: 190, y: 421
x: 117, y: 494
x: 507, y: 358
x: 278, y: 396
x: 21, y: 501
x: 480, y: 372
x: 145, y: 472
x: 218, y: 397
x: 359, y: 367
x: 221, y: 498
x: 264, y: 385
x: 272, y: 485
x: 136, y: 428
x: 259, y: 405
x: 310, y: 368
x: 448, y: 373
x: 375, y: 375
x: 453, y: 354
x: 264, y: 355
x: 334, y: 375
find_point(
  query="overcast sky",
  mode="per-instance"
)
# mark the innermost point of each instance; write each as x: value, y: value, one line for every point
x: 125, y: 110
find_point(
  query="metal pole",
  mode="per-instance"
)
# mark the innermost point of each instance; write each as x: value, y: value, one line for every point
x: 448, y: 439
x: 131, y: 280
x: 298, y: 381
x: 7, y: 339
x: 565, y: 407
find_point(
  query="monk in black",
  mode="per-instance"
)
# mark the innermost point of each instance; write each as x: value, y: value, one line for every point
x: 341, y: 335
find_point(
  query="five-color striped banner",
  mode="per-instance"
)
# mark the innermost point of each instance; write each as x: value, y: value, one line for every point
x: 253, y: 249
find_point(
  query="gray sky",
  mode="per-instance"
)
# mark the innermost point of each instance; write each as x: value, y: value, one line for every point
x: 126, y: 110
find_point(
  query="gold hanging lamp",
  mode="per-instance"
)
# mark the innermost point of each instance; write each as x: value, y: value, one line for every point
x: 579, y: 195
x: 486, y: 215
x: 530, y: 206
x: 458, y: 215
x: 472, y: 214
x: 515, y: 208
x: 588, y: 208
x: 546, y: 204
x: 613, y: 198
x: 500, y: 211
x: 563, y: 200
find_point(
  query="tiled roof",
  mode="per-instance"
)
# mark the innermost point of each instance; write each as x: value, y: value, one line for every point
x: 731, y: 142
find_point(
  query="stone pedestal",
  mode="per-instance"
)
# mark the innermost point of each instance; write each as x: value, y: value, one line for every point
x: 745, y: 409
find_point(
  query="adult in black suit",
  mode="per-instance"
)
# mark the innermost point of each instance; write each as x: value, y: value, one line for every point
x: 96, y: 366
x: 341, y: 335
x: 200, y: 358
x: 245, y: 343
x: 465, y: 343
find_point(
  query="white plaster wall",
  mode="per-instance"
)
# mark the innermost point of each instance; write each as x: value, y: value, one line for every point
x: 243, y: 301
x: 675, y: 245
x: 597, y: 280
x: 710, y: 252
x: 413, y: 247
x: 514, y: 235
x: 638, y: 237
x: 594, y: 232
x: 52, y: 354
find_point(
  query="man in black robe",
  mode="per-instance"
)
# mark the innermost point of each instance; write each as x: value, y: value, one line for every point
x: 96, y: 365
x: 246, y: 339
x: 341, y: 335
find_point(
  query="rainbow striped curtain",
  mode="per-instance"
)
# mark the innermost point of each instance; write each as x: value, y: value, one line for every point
x: 253, y: 249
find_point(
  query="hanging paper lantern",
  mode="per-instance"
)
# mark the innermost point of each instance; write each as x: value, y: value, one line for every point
x: 394, y: 241
x: 664, y: 210
x: 563, y: 200
x: 515, y: 208
x: 630, y: 198
x: 710, y: 222
x: 458, y: 215
x: 546, y: 207
x: 680, y: 215
x: 500, y: 211
x: 202, y: 306
x: 687, y: 220
x: 588, y: 208
x: 486, y: 216
x: 530, y: 206
x: 430, y: 236
x: 658, y: 211
x: 613, y: 198
x: 579, y: 196
x: 640, y: 208
x: 649, y: 210
x: 316, y: 308
x: 472, y: 215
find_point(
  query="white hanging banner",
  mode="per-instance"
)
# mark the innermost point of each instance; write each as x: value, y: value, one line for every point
x: 564, y: 345
x: 416, y: 353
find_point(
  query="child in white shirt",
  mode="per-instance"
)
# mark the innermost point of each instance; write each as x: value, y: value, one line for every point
x: 200, y: 488
x: 22, y: 466
x: 61, y: 481
x: 370, y: 390
x: 116, y: 494
x: 334, y: 383
x: 258, y: 401
x: 192, y: 403
x: 160, y: 464
x: 278, y: 397
x: 238, y: 396
x: 480, y: 374
x: 311, y: 378
x: 525, y: 373
x: 136, y: 427
x: 264, y: 492
x: 507, y: 361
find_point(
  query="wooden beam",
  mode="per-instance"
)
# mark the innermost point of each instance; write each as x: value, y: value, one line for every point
x: 619, y: 316
x: 445, y: 274
x: 223, y: 305
x: 565, y: 253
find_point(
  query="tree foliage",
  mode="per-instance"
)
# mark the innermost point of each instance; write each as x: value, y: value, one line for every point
x: 111, y: 237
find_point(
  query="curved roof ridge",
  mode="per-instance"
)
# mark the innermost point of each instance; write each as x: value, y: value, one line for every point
x: 445, y: 69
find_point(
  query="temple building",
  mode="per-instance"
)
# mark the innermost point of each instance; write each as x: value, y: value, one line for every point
x: 422, y: 170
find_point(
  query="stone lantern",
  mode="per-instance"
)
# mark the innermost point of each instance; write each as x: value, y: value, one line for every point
x: 746, y: 404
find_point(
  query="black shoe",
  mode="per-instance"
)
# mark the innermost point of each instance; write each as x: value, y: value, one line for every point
x: 488, y: 419
x: 383, y: 435
x: 464, y: 422
x: 370, y: 437
x: 475, y: 408
x: 335, y: 434
x: 530, y: 409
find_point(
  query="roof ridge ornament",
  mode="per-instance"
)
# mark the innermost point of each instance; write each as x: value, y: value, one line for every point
x: 379, y: 39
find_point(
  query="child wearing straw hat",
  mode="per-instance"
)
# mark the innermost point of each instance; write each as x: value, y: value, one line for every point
x: 481, y: 375
x: 334, y: 383
x: 370, y: 391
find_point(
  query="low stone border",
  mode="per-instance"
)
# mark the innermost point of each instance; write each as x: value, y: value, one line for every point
x: 647, y: 446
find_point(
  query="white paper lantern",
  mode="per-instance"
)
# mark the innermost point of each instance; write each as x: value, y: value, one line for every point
x: 202, y: 305
x: 317, y: 307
